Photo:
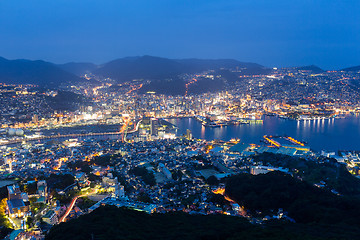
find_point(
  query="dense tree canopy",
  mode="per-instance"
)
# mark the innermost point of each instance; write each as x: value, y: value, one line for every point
x: 110, y: 222
x: 266, y: 193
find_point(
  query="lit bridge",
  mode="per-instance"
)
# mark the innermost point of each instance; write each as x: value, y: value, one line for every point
x: 64, y: 136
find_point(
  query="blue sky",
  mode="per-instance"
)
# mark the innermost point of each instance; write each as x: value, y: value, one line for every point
x: 272, y: 33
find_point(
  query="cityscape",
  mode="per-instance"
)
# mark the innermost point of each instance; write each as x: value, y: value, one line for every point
x: 195, y: 147
x: 122, y: 149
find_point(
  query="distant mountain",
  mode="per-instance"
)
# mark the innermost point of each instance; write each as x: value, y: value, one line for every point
x: 38, y: 72
x: 148, y: 67
x: 313, y: 68
x: 351, y: 69
x: 206, y: 64
x: 156, y: 68
x: 78, y: 69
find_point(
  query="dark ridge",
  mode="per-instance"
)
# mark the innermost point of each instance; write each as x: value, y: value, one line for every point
x: 264, y: 194
x: 78, y: 69
x: 313, y: 68
x: 156, y: 68
x: 351, y: 69
x: 110, y: 222
x: 38, y: 72
x: 214, y: 64
x: 146, y: 67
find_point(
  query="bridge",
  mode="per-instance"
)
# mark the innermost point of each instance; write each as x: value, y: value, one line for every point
x: 123, y: 131
x: 58, y: 136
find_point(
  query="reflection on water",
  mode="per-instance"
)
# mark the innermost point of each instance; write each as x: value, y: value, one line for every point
x: 202, y: 131
x: 328, y: 134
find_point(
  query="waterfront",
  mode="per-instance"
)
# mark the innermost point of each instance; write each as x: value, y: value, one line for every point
x: 321, y: 134
x: 330, y: 134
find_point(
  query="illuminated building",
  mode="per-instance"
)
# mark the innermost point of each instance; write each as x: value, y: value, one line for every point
x: 15, y: 204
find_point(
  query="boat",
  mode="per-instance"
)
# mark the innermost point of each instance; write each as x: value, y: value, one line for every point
x: 211, y: 124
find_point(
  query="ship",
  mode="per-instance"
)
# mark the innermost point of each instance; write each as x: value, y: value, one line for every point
x: 211, y: 124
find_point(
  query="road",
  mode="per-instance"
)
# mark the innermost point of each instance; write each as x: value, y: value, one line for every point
x: 68, y: 210
x: 72, y: 203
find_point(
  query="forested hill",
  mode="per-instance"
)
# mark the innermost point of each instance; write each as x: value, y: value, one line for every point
x: 157, y: 68
x: 265, y: 194
x: 41, y: 73
x: 110, y: 222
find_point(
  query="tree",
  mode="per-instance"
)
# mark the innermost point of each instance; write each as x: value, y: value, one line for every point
x: 212, y: 180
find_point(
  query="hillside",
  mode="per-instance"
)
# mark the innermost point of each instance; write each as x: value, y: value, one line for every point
x: 110, y: 222
x: 334, y: 175
x: 38, y: 72
x: 163, y: 73
x: 177, y: 86
x: 313, y: 68
x: 194, y: 64
x: 156, y: 68
x: 266, y: 193
x: 66, y: 101
x: 126, y: 69
x: 351, y: 69
x: 78, y: 69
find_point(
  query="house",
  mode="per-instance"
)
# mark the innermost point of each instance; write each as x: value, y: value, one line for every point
x: 50, y: 218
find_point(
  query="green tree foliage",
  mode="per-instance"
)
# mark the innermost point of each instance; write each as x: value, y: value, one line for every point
x: 29, y: 222
x: 304, y: 202
x: 144, y: 197
x: 4, y: 222
x: 30, y: 188
x: 3, y: 192
x: 212, y: 180
x: 64, y: 198
x: 335, y: 175
x: 85, y: 202
x: 60, y: 181
x: 106, y: 160
x: 4, y: 231
x: 110, y: 222
x: 82, y: 165
x: 122, y: 180
x: 147, y: 177
x: 176, y: 175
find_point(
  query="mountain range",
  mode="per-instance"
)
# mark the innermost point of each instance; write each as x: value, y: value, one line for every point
x: 34, y: 72
x: 46, y: 74
x: 156, y: 68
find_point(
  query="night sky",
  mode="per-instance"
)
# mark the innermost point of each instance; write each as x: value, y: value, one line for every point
x: 272, y: 33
